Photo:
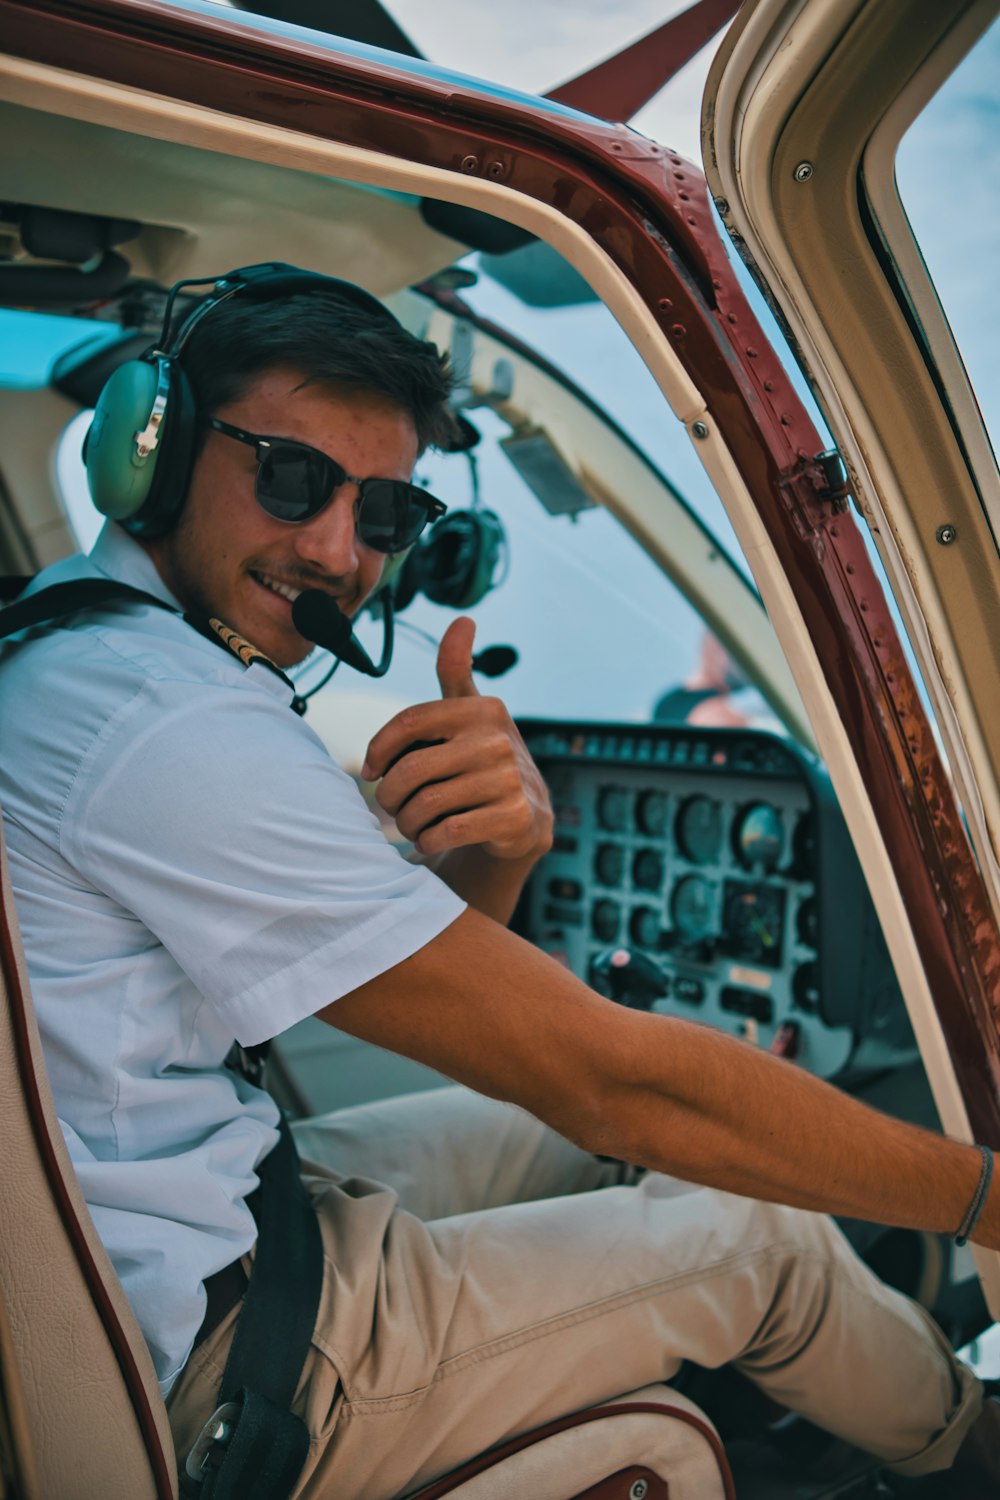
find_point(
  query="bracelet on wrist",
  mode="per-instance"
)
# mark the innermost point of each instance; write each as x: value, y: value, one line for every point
x: 975, y: 1208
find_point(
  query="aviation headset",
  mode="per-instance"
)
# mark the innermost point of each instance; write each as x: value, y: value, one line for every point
x: 455, y: 564
x: 142, y: 444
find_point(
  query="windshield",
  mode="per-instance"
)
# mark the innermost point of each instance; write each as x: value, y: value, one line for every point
x: 947, y: 170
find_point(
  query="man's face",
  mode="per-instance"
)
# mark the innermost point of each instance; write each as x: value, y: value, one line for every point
x: 226, y: 554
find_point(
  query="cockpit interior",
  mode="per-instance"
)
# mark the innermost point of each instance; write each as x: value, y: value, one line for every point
x: 706, y: 861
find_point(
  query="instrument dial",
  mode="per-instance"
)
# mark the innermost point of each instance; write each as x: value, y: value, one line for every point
x: 754, y: 919
x: 647, y: 870
x: 699, y: 830
x: 760, y: 837
x: 613, y: 807
x: 644, y: 927
x: 609, y: 864
x: 651, y: 813
x: 692, y: 909
x: 605, y: 919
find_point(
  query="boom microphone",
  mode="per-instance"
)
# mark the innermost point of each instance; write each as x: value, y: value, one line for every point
x: 318, y: 618
x: 494, y: 661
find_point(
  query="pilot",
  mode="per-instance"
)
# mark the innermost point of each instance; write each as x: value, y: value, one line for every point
x: 191, y: 868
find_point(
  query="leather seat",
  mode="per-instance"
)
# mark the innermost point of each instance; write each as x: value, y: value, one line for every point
x: 82, y: 1417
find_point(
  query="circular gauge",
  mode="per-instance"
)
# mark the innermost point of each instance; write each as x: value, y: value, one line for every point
x: 605, y: 919
x: 613, y: 806
x: 807, y: 923
x: 760, y: 836
x: 647, y: 870
x: 609, y: 864
x: 651, y: 813
x: 692, y: 909
x: 699, y: 830
x: 644, y: 927
x: 754, y: 917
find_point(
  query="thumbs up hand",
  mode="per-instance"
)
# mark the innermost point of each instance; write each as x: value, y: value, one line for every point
x: 454, y: 660
x: 456, y: 772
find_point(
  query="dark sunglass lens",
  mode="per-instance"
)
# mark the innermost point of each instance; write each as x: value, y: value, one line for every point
x: 392, y: 514
x: 294, y: 483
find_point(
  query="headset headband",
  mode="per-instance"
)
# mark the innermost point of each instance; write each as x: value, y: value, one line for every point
x: 265, y: 281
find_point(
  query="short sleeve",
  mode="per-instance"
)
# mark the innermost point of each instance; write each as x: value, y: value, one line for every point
x: 214, y: 815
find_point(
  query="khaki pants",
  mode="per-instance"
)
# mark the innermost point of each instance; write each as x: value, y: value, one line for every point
x: 477, y: 1284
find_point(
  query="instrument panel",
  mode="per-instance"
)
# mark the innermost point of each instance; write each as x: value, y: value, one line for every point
x: 708, y: 874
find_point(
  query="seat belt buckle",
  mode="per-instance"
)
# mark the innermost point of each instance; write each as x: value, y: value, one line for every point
x: 215, y: 1435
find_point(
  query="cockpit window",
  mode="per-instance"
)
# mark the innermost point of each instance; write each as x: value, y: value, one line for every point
x: 947, y: 169
x: 31, y: 343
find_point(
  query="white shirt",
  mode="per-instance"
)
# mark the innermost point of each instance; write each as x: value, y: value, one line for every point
x: 189, y: 866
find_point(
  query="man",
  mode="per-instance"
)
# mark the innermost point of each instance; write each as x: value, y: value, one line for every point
x: 190, y: 867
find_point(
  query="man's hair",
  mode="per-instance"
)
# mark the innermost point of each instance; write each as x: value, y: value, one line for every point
x: 333, y: 342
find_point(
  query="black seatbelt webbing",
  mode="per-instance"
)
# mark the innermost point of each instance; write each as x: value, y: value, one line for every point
x: 261, y: 1446
x: 268, y: 1444
x: 60, y: 600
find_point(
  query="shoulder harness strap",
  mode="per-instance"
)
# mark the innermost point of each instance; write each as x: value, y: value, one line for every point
x: 60, y: 600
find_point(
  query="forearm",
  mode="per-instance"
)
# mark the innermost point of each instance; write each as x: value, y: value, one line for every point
x: 718, y: 1111
x: 485, y: 1008
x: 490, y: 886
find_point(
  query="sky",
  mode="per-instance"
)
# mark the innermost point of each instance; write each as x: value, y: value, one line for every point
x: 537, y: 44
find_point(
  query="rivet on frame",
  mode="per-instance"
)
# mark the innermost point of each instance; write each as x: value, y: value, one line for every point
x: 470, y: 163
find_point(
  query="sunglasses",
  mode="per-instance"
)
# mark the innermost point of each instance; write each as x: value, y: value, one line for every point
x: 295, y: 482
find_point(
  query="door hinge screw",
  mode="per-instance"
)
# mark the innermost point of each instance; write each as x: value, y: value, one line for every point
x: 803, y: 171
x: 946, y: 535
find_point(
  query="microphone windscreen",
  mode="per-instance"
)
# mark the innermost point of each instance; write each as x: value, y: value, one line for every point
x: 317, y: 618
x: 495, y: 660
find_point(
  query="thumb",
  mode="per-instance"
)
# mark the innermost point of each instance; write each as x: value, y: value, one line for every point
x: 454, y: 661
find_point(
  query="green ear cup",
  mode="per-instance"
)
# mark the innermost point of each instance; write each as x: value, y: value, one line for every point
x: 455, y: 564
x: 119, y: 479
x: 489, y: 538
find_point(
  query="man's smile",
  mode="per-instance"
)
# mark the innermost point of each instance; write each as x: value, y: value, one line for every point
x: 286, y: 590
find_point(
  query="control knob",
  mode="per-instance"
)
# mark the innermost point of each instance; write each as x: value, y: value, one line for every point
x: 631, y: 978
